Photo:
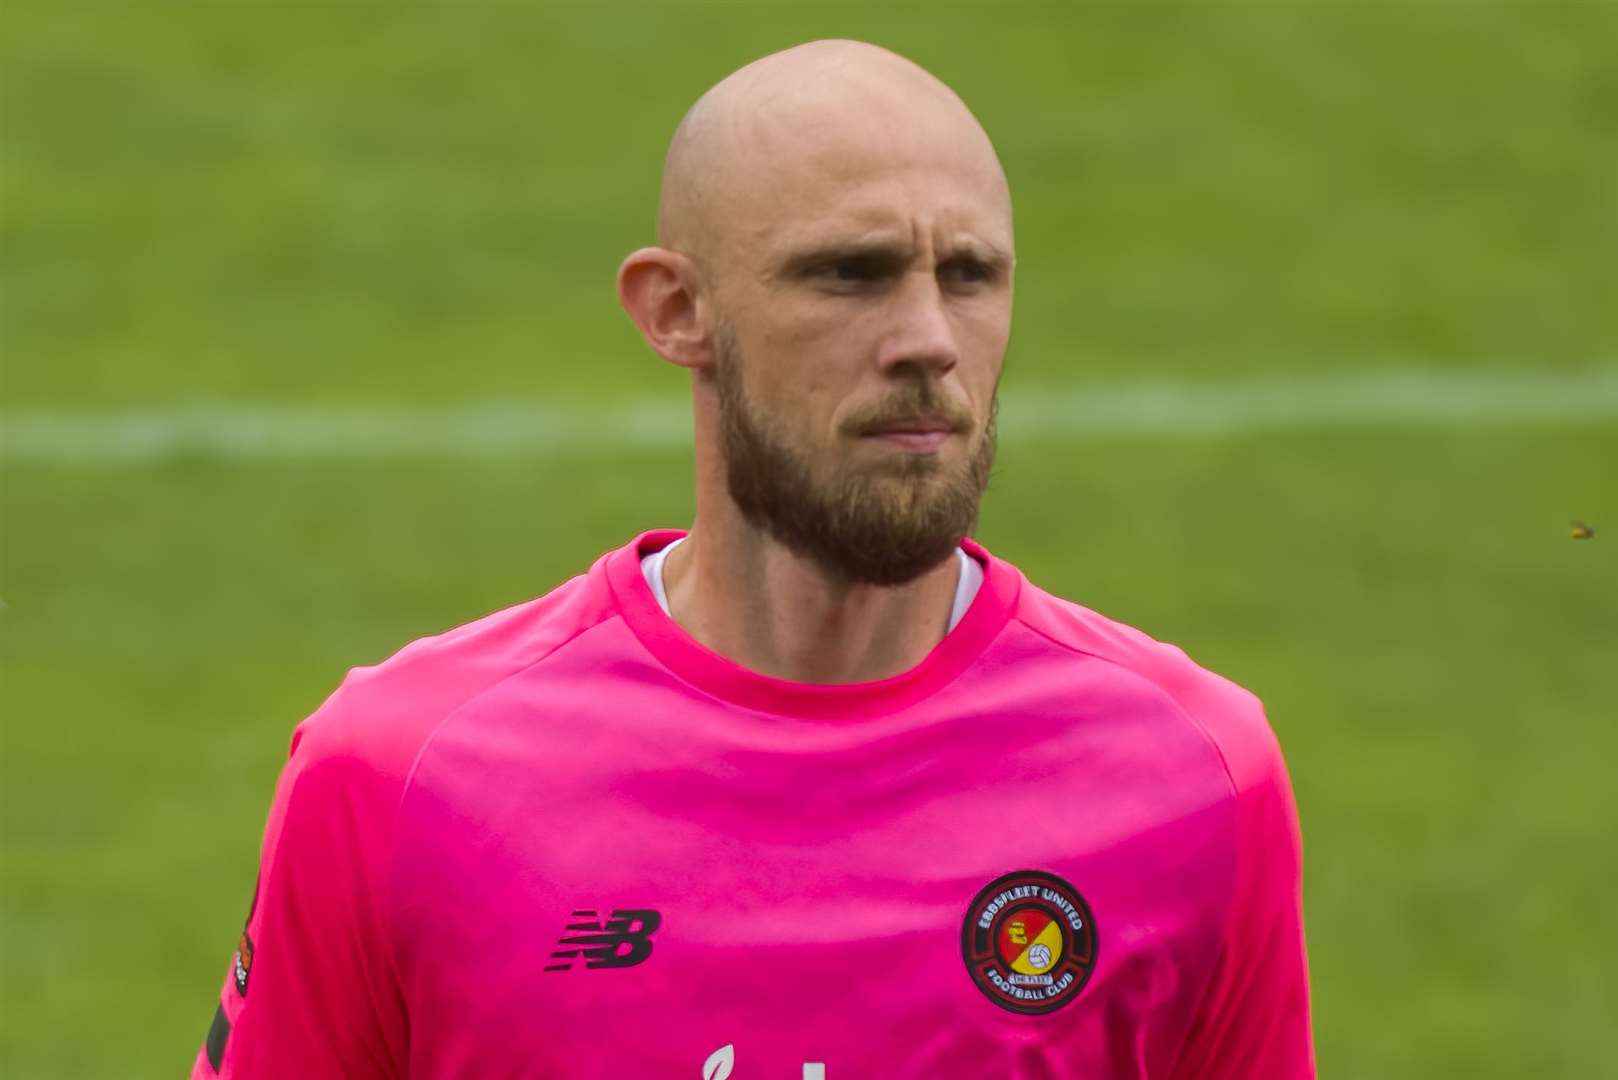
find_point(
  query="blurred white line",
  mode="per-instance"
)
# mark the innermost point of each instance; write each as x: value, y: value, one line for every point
x: 1158, y: 409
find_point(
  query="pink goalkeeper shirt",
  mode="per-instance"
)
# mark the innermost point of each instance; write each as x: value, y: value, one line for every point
x: 568, y: 841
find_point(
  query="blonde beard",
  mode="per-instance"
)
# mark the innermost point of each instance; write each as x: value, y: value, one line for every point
x: 878, y: 527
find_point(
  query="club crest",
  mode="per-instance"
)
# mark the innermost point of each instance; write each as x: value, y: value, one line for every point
x: 1029, y: 942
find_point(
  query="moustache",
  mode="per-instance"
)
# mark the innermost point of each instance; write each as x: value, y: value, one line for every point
x: 911, y: 410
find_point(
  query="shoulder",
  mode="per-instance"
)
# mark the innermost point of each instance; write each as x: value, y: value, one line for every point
x: 382, y: 714
x: 1229, y: 716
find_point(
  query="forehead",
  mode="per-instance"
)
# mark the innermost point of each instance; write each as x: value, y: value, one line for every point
x: 805, y: 173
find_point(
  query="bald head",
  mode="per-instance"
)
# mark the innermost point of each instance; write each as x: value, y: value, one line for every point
x: 835, y: 269
x: 800, y: 131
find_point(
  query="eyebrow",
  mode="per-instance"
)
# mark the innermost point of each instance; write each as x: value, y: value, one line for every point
x: 883, y: 252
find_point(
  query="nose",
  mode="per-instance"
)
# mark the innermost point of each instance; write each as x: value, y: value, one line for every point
x: 921, y: 333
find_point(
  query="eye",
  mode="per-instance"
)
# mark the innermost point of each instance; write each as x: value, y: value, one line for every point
x: 853, y: 270
x: 966, y: 272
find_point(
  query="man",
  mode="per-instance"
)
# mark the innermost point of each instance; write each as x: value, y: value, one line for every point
x: 819, y: 788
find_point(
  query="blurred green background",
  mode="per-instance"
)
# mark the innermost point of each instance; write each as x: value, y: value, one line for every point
x: 285, y: 207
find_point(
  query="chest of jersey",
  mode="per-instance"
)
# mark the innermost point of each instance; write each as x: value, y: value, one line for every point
x: 602, y: 873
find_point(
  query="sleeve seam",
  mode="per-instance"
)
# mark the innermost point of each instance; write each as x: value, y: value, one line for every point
x: 410, y: 776
x: 1229, y: 913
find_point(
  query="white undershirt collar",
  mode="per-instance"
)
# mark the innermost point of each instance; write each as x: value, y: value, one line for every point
x: 966, y: 585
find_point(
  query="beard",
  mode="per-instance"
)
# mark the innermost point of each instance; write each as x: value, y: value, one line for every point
x: 878, y: 523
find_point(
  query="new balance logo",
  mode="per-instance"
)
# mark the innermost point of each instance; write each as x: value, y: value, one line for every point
x: 621, y: 940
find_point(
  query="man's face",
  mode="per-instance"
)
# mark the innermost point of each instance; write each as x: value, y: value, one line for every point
x: 864, y: 314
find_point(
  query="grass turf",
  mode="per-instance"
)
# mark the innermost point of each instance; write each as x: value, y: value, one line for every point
x: 424, y: 203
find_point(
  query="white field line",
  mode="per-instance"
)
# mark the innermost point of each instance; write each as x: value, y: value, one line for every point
x: 1155, y: 409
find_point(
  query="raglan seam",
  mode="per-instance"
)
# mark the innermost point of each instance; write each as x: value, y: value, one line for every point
x: 608, y: 613
x: 1224, y: 762
x: 1235, y: 794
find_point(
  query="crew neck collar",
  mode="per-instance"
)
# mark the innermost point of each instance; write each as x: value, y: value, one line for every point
x: 725, y: 679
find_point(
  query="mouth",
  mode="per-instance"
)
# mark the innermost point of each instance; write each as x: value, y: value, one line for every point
x: 916, y: 435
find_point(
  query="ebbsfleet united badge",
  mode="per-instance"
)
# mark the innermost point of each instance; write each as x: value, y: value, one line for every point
x: 1029, y: 941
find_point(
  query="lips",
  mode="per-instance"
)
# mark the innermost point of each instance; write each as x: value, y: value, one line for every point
x: 912, y: 425
x: 917, y: 434
x: 914, y: 441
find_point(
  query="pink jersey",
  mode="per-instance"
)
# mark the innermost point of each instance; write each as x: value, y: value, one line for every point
x: 568, y: 841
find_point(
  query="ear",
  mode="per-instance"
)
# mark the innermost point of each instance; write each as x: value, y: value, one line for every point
x: 661, y: 291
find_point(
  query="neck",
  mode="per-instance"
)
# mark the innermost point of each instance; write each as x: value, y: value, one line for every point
x: 748, y: 598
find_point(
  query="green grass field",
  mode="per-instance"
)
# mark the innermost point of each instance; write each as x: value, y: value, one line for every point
x: 388, y: 205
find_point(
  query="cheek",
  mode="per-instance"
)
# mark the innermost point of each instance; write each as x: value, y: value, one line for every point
x: 982, y: 343
x: 986, y: 319
x: 802, y: 375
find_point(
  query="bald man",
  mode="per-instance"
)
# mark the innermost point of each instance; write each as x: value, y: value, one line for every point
x: 818, y: 787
